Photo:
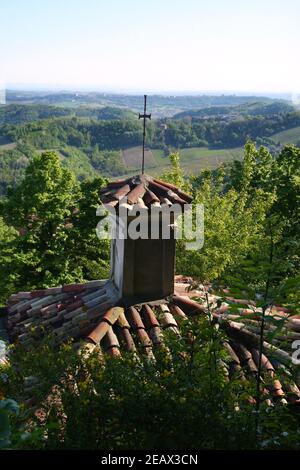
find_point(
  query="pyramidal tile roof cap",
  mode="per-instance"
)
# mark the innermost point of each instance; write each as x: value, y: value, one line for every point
x: 143, y: 190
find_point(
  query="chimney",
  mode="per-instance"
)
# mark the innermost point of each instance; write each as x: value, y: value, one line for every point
x: 143, y: 266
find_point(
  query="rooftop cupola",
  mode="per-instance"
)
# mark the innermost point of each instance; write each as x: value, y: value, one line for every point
x: 143, y: 249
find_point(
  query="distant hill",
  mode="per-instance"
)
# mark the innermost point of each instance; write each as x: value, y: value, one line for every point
x: 159, y: 105
x: 21, y: 113
x: 18, y: 114
x: 112, y: 112
x: 245, y: 109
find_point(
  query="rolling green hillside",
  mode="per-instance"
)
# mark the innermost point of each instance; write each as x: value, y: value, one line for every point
x: 22, y: 113
x: 245, y: 109
x: 289, y: 136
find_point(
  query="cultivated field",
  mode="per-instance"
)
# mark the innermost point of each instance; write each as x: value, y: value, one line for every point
x: 196, y: 158
x: 192, y: 159
x: 9, y: 146
x: 290, y: 136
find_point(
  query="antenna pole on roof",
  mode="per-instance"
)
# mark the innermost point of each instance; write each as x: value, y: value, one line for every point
x: 144, y: 117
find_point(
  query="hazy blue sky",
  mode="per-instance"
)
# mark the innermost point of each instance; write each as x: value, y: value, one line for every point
x: 126, y: 45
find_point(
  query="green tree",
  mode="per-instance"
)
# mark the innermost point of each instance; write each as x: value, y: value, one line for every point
x: 7, y: 246
x: 279, y: 179
x: 233, y: 222
x: 57, y: 240
x: 92, y: 254
x: 175, y: 175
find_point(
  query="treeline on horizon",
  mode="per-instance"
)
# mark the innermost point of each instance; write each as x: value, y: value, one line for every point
x: 132, y: 101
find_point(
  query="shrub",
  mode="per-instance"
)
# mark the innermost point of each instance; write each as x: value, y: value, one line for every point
x: 182, y: 400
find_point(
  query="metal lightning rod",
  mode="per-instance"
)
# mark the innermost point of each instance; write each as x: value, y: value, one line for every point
x: 144, y: 117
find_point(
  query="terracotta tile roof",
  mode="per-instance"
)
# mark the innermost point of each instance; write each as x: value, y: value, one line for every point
x: 143, y: 190
x: 91, y: 311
